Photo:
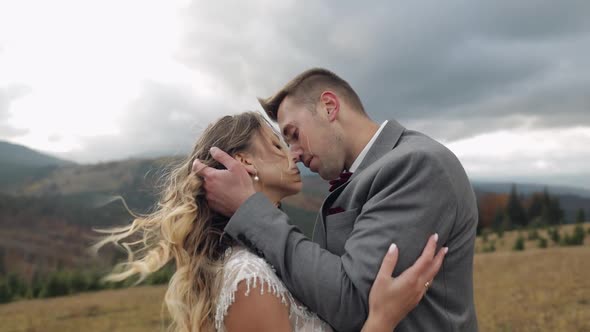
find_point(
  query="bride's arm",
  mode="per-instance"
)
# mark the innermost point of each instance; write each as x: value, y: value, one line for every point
x: 391, y: 299
x: 256, y: 311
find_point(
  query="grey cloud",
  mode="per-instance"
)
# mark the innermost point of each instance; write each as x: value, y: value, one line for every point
x: 454, y: 128
x: 487, y: 65
x: 7, y: 96
x: 534, y: 19
x: 166, y: 119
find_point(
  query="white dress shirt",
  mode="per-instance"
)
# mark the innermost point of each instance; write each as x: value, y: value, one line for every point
x: 359, y: 159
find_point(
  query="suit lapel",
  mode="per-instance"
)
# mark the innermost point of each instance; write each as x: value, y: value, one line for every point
x: 386, y: 141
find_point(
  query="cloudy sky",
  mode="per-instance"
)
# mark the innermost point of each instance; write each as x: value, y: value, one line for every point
x: 504, y: 84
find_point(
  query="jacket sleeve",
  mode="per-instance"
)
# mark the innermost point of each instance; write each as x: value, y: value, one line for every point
x: 408, y: 201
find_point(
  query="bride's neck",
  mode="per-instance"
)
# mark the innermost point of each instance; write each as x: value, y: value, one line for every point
x: 275, y: 198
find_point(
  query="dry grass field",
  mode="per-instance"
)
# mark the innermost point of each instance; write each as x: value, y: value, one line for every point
x: 533, y: 290
x: 133, y: 310
x: 506, y: 242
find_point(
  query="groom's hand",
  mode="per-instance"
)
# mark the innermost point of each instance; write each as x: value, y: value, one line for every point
x: 225, y: 189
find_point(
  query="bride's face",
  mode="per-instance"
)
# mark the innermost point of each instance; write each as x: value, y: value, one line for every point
x: 276, y: 167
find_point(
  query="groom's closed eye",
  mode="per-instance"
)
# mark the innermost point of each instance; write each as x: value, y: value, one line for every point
x: 290, y: 135
x: 295, y: 134
x: 288, y: 131
x: 287, y: 141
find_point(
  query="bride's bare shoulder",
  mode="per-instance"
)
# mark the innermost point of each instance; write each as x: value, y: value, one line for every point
x: 249, y: 288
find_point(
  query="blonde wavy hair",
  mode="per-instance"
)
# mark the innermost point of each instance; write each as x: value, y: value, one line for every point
x: 184, y: 229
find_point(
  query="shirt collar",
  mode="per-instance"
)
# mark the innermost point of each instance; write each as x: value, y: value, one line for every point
x: 361, y: 156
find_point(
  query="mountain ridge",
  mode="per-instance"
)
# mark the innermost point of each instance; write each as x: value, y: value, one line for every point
x: 16, y: 154
x: 56, y: 206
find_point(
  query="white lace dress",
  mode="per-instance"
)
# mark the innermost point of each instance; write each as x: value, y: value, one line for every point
x: 243, y: 265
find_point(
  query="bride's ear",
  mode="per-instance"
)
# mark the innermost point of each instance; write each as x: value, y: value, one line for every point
x: 246, y: 160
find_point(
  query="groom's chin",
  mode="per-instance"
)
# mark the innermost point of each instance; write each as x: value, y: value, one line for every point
x: 327, y: 177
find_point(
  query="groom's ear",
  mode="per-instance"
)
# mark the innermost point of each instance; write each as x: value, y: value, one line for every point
x: 330, y: 104
x: 246, y: 160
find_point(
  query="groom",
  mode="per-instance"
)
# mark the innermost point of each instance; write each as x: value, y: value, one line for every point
x: 404, y: 186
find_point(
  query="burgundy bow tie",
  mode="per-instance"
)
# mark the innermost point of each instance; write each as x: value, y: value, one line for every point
x: 344, y: 176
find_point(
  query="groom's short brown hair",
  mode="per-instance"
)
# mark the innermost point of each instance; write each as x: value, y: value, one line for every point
x: 307, y: 87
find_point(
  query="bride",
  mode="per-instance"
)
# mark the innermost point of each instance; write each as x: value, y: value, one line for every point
x: 219, y: 285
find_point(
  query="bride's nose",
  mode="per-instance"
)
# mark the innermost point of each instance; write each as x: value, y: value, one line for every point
x: 295, y: 156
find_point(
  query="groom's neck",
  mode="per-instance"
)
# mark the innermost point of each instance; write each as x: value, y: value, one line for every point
x: 364, y: 129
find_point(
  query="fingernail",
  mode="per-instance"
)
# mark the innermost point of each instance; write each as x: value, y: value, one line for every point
x: 392, y: 248
x: 212, y: 149
x: 445, y: 250
x: 435, y: 237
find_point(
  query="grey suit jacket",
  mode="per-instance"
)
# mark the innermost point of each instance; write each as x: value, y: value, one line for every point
x: 407, y: 188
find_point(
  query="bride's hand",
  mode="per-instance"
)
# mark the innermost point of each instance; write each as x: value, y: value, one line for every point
x: 391, y: 299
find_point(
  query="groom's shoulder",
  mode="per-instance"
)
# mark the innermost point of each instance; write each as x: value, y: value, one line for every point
x: 420, y: 142
x: 418, y: 148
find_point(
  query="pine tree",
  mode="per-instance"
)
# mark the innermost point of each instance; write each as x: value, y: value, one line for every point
x: 498, y: 219
x: 5, y: 295
x: 56, y: 285
x: 536, y: 207
x: 556, y: 211
x: 479, y: 227
x: 552, y: 213
x: 2, y: 268
x: 16, y: 286
x: 581, y: 217
x: 78, y: 282
x: 514, y: 209
x: 37, y: 285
